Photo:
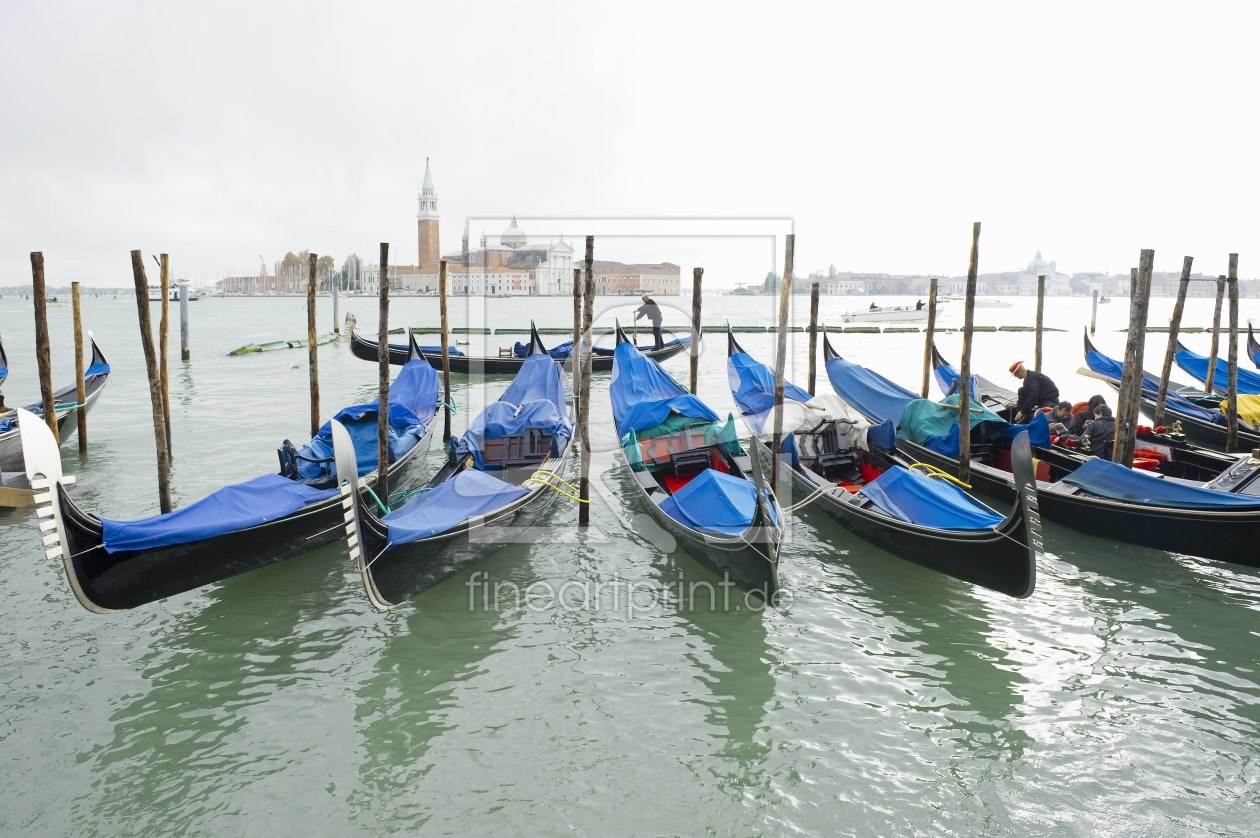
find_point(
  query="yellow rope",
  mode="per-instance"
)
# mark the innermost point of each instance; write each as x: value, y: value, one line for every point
x: 936, y: 472
x: 534, y: 479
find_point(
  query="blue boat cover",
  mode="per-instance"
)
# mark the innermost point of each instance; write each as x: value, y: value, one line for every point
x: 1197, y: 366
x: 95, y: 369
x: 427, y: 350
x: 469, y: 494
x: 714, y: 502
x: 1112, y: 368
x: 412, y: 403
x: 1112, y: 480
x: 934, y: 425
x: 232, y: 508
x: 565, y: 350
x: 909, y: 496
x: 752, y: 384
x: 874, y: 396
x: 534, y: 398
x: 947, y: 374
x: 643, y: 394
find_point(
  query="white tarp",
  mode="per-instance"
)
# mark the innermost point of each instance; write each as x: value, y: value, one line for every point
x: 805, y: 416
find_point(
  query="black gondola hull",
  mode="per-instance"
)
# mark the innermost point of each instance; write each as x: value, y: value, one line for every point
x: 130, y: 578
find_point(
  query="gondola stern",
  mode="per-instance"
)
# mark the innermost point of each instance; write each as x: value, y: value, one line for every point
x: 732, y: 346
x: 1089, y: 345
x: 413, y: 347
x: 1026, y: 505
x: 621, y: 335
x: 829, y: 351
x: 535, y: 342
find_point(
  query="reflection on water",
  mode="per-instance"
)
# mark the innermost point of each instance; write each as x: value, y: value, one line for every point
x: 1122, y: 698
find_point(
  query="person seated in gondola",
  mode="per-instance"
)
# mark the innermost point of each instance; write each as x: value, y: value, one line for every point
x: 1038, y: 392
x: 1100, y: 434
x: 1069, y: 420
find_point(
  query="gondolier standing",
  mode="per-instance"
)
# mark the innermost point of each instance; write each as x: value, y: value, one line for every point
x: 652, y: 312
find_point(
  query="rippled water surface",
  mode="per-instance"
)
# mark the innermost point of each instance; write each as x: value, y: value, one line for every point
x: 1122, y: 698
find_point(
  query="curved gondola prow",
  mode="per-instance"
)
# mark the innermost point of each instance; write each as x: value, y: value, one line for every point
x: 621, y: 336
x: 535, y: 342
x: 42, y: 456
x: 1089, y: 345
x: 1026, y: 501
x: 1253, y: 348
x: 98, y: 357
x: 1180, y: 347
x: 732, y: 347
x: 938, y: 360
x: 829, y: 352
x: 762, y: 529
x: 413, y: 348
x: 348, y: 485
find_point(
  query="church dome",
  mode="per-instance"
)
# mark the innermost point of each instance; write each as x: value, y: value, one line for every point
x: 513, y: 236
x: 1037, y: 264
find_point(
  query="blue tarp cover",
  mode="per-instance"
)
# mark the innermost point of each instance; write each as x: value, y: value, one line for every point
x: 874, y: 396
x: 428, y: 350
x: 947, y: 374
x: 752, y: 384
x: 565, y: 350
x: 1112, y: 368
x: 538, y: 392
x: 412, y: 403
x: 95, y: 369
x: 713, y: 502
x: 469, y: 494
x: 1197, y: 366
x: 1111, y: 480
x: 925, y: 423
x: 909, y: 496
x: 231, y: 508
x: 643, y: 394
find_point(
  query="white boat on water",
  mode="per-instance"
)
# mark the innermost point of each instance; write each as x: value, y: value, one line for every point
x: 981, y: 302
x: 885, y: 314
x: 155, y: 294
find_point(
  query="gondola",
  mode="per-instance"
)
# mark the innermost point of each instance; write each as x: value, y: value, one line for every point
x: 1219, y: 519
x: 1253, y: 347
x: 880, y: 497
x: 1196, y: 366
x: 1203, y: 425
x: 116, y: 565
x: 1175, y: 456
x: 464, y: 364
x: 499, y: 478
x: 693, y: 476
x: 95, y: 377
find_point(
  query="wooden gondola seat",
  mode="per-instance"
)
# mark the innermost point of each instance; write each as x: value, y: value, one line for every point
x: 518, y: 450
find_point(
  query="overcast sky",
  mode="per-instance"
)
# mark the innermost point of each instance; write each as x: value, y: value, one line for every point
x: 227, y: 131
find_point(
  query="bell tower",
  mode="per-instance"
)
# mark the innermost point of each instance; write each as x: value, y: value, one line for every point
x: 430, y: 250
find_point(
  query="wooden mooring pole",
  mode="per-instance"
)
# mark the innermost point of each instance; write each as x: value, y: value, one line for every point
x: 446, y: 352
x: 43, y: 355
x: 1041, y: 306
x: 928, y: 339
x: 185, y: 345
x: 1216, y: 335
x: 312, y: 343
x: 697, y: 274
x: 336, y: 295
x: 964, y: 372
x: 155, y: 382
x: 575, y: 350
x: 80, y: 390
x: 1174, y: 326
x: 584, y: 395
x: 1130, y: 397
x: 813, y: 336
x: 780, y: 360
x: 164, y: 339
x: 1231, y: 440
x: 1093, y: 319
x: 382, y: 362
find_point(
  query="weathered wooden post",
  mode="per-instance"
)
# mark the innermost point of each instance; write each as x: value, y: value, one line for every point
x: 336, y: 295
x: 1231, y: 395
x: 813, y: 336
x: 155, y: 381
x: 80, y: 390
x: 964, y: 372
x: 1216, y: 335
x: 928, y: 339
x: 164, y: 339
x: 312, y: 342
x: 1174, y: 326
x: 446, y: 352
x: 696, y: 275
x: 382, y: 361
x: 780, y: 360
x: 185, y: 347
x: 577, y: 329
x: 1093, y: 319
x: 584, y: 395
x: 43, y: 354
x: 1130, y: 397
x: 1041, y: 304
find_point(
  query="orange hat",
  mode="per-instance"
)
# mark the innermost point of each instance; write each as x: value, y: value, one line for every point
x: 1016, y: 366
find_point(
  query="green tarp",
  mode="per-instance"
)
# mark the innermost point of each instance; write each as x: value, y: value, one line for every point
x: 923, y: 418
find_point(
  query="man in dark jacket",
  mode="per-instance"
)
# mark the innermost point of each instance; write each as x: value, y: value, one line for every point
x: 1038, y: 392
x: 1100, y: 434
x: 652, y: 312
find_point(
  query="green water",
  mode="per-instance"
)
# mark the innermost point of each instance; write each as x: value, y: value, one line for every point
x: 1122, y: 698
